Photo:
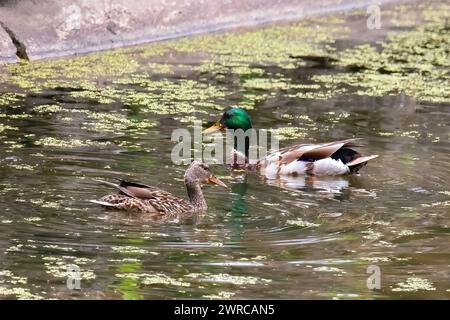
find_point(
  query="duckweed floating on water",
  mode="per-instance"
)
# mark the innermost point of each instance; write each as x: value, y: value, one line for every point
x: 302, y: 223
x: 406, y: 233
x: 68, y: 143
x: 32, y: 219
x: 414, y: 62
x: 59, y: 248
x: 32, y: 76
x: 116, y: 122
x: 47, y: 108
x: 286, y: 133
x: 132, y: 250
x: 329, y: 269
x: 8, y: 98
x: 4, y: 127
x: 414, y: 284
x: 220, y: 295
x: 155, y: 278
x: 16, y: 116
x: 162, y: 68
x: 19, y: 293
x: 57, y: 266
x: 26, y: 167
x: 7, y: 276
x: 227, y: 278
x: 270, y: 45
x: 372, y: 235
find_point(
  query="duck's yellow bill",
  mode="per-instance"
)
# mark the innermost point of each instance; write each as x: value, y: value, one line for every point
x: 214, y: 180
x: 214, y: 128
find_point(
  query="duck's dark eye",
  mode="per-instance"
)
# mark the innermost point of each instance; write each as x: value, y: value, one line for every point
x: 204, y: 167
x: 226, y: 115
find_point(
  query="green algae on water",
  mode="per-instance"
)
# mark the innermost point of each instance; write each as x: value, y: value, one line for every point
x: 32, y: 76
x: 415, y: 63
x: 227, y: 278
x: 68, y: 143
x: 302, y: 223
x: 19, y: 293
x: 4, y: 127
x: 130, y: 250
x: 9, y: 98
x: 57, y: 266
x: 154, y: 278
x: 414, y: 284
x: 47, y: 108
x: 116, y: 122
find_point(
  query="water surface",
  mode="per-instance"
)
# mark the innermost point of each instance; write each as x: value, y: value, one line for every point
x: 110, y: 115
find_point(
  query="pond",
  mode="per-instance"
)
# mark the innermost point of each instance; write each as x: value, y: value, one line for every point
x: 111, y: 114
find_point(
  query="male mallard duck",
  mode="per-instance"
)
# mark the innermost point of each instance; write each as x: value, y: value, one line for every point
x: 141, y: 198
x: 332, y: 158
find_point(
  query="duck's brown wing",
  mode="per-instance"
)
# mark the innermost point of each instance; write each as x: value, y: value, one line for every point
x: 131, y: 189
x: 328, y: 149
x: 126, y: 203
x: 143, y: 198
x: 138, y: 190
x: 314, y: 151
x: 166, y: 203
x: 285, y: 160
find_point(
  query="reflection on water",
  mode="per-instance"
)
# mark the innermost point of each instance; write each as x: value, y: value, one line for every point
x: 303, y: 237
x: 312, y: 183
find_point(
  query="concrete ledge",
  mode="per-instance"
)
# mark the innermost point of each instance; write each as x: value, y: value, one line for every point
x: 50, y: 28
x: 7, y: 48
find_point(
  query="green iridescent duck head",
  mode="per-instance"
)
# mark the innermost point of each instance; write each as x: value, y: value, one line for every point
x: 234, y: 118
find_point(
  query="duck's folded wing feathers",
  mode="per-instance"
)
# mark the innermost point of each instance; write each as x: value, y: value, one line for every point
x: 151, y: 200
x: 131, y: 189
x: 314, y: 151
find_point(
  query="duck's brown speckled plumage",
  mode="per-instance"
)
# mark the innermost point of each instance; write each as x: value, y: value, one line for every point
x: 143, y: 199
x: 162, y: 203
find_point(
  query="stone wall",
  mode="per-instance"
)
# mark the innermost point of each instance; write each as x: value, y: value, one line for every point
x: 36, y: 29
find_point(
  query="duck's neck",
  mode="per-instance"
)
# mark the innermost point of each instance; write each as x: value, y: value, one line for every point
x: 243, y: 148
x: 195, y: 195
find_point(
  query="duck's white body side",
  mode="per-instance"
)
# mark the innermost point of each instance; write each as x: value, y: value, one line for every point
x: 325, y: 167
x: 311, y: 159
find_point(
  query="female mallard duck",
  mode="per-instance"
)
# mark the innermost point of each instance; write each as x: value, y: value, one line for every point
x: 141, y: 198
x: 332, y: 158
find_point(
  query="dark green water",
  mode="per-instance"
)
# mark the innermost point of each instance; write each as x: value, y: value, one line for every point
x: 291, y: 238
